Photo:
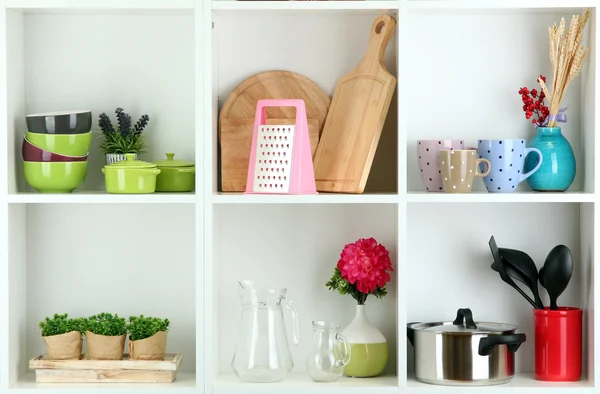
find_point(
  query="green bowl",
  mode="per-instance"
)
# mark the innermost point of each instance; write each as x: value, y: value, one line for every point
x: 63, y: 144
x: 55, y: 177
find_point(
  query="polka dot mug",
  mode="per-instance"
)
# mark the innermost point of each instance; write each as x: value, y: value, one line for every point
x: 429, y: 161
x: 507, y: 158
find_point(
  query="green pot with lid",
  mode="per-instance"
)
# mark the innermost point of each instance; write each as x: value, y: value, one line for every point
x: 130, y: 176
x: 175, y: 175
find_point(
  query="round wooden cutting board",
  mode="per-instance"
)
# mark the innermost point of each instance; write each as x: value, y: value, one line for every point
x: 241, y: 103
x: 236, y: 120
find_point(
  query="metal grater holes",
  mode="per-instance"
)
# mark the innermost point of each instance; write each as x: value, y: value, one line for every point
x: 272, y: 167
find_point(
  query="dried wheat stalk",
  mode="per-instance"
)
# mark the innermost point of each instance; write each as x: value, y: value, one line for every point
x: 567, y: 57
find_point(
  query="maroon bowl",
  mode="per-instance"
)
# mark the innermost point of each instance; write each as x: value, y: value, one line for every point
x: 34, y: 153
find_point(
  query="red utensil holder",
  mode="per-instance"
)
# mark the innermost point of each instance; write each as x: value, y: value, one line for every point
x: 558, y: 344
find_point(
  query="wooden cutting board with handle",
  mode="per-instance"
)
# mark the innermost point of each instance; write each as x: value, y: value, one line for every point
x: 236, y: 120
x: 358, y: 110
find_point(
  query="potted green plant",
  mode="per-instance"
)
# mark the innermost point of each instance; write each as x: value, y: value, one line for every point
x: 63, y: 337
x: 105, y: 334
x: 126, y: 138
x: 147, y: 337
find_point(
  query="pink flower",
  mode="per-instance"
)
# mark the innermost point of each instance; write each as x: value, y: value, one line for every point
x: 364, y: 264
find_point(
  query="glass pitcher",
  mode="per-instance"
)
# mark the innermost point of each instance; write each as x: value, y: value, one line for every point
x: 262, y: 353
x: 329, y: 353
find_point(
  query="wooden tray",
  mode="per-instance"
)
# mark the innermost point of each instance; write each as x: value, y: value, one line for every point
x: 106, y: 371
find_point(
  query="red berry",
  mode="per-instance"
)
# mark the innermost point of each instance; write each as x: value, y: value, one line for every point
x: 533, y: 121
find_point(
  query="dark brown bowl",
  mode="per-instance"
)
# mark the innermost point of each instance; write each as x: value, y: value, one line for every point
x: 66, y: 122
x: 34, y: 153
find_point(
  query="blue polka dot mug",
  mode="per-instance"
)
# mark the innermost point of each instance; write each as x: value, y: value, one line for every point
x: 508, y: 159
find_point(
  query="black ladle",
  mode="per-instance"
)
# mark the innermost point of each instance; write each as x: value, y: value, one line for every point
x: 499, y: 266
x: 556, y: 273
x: 524, y: 264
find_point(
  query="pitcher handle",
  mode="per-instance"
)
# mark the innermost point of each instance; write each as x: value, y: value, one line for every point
x: 295, y: 325
x: 347, y: 351
x: 528, y: 151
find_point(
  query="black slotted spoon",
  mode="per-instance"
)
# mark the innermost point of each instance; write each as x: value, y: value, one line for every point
x: 504, y: 269
x: 524, y: 264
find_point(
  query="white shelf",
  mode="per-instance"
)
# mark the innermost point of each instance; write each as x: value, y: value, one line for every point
x: 185, y: 383
x: 484, y: 197
x: 101, y: 197
x: 300, y: 383
x: 498, y: 4
x: 100, y: 5
x: 228, y: 5
x: 321, y: 198
x: 166, y: 58
x: 522, y: 384
x: 387, y: 5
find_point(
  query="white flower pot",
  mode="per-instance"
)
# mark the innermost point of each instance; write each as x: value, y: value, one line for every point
x: 111, y: 158
x: 369, y: 354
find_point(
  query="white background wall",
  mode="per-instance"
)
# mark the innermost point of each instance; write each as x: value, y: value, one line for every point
x: 125, y: 259
x: 298, y: 248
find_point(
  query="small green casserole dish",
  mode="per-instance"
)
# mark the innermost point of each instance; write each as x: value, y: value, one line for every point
x: 175, y: 175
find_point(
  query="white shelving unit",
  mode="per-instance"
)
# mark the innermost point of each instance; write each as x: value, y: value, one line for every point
x: 459, y: 64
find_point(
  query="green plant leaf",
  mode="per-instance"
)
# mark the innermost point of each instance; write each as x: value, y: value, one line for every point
x: 141, y: 327
x: 106, y: 324
x: 119, y: 144
x: 342, y: 286
x: 61, y: 324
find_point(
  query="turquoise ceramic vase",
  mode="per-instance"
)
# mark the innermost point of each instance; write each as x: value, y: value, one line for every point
x: 557, y: 171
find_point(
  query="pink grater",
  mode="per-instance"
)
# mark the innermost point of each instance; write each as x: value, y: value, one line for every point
x: 280, y: 156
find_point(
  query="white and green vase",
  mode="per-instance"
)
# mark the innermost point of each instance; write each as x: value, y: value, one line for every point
x: 369, y: 348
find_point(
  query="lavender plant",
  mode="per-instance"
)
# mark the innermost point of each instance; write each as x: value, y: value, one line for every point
x: 126, y: 138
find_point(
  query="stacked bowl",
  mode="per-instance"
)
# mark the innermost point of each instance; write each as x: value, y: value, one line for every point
x: 55, y: 150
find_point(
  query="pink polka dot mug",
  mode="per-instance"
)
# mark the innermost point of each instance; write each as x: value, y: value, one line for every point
x: 429, y: 161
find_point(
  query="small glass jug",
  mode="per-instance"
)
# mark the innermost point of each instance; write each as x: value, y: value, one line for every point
x: 262, y: 353
x: 329, y: 353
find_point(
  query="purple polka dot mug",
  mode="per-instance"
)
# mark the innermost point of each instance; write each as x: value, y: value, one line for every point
x: 429, y: 161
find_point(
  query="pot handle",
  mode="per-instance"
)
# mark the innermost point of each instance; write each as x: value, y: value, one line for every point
x: 410, y: 332
x: 512, y: 342
x: 464, y: 316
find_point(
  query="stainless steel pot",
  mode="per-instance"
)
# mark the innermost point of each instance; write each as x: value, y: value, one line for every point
x: 463, y: 352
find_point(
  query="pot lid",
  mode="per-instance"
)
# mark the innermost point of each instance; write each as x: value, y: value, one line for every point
x: 464, y: 324
x: 170, y: 162
x: 130, y: 162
